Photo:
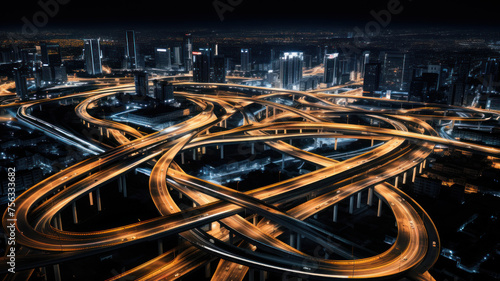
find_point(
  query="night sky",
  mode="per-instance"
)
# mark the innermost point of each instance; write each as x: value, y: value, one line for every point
x: 110, y: 12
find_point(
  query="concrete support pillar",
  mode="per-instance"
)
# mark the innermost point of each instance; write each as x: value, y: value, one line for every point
x: 231, y: 240
x: 98, y: 199
x: 420, y: 168
x: 425, y: 161
x: 336, y: 141
x: 255, y: 219
x: 160, y: 246
x: 282, y: 161
x: 298, y: 242
x: 194, y: 154
x: 57, y: 272
x: 203, y: 150
x: 414, y: 174
x: 370, y: 196
x: 59, y: 220
x: 107, y: 133
x: 335, y: 212
x: 208, y: 271
x: 404, y: 178
x: 263, y: 275
x: 274, y: 112
x: 267, y: 111
x: 358, y: 205
x: 180, y: 195
x: 251, y: 273
x: 253, y: 148
x: 43, y: 270
x: 91, y: 199
x: 75, y: 216
x: 351, y: 205
x: 120, y: 185
x: 396, y: 182
x: 222, y: 151
x: 124, y: 183
x: 379, y: 209
x: 182, y: 158
x: 316, y: 216
x: 292, y: 239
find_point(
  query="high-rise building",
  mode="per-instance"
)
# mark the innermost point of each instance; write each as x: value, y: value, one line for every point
x: 245, y: 60
x: 162, y: 58
x: 131, y: 51
x: 371, y: 79
x: 291, y: 70
x: 163, y: 91
x: 201, y: 67
x: 20, y: 78
x: 395, y: 74
x: 177, y: 56
x: 219, y: 69
x: 424, y: 88
x: 330, y: 64
x: 141, y: 83
x: 187, y: 50
x: 50, y: 54
x: 93, y: 62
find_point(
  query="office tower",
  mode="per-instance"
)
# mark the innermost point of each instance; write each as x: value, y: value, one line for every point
x: 187, y: 50
x: 395, y: 74
x: 330, y: 64
x: 131, y: 51
x: 141, y: 83
x: 372, y: 78
x: 92, y: 53
x: 424, y: 88
x: 245, y: 60
x: 163, y: 91
x: 365, y: 59
x: 201, y: 67
x: 177, y: 56
x: 291, y: 70
x: 50, y: 54
x: 20, y: 76
x: 59, y: 73
x: 162, y: 58
x: 219, y: 70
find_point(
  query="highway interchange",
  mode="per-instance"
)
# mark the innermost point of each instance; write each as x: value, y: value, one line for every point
x: 248, y: 243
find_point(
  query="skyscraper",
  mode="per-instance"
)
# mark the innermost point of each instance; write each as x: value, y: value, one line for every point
x: 50, y: 54
x: 93, y: 63
x: 395, y: 74
x: 162, y: 58
x: 187, y: 49
x: 141, y: 83
x: 201, y: 67
x: 291, y: 70
x: 245, y: 60
x: 20, y: 75
x: 371, y: 79
x: 330, y: 63
x: 163, y: 91
x: 131, y: 51
x: 219, y: 70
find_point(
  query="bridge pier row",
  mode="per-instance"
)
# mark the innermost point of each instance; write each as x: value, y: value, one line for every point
x: 75, y: 215
x: 160, y: 246
x: 351, y: 204
x: 370, y: 196
x: 335, y: 212
x: 358, y: 205
x: 98, y: 199
x: 57, y: 272
x: 379, y: 209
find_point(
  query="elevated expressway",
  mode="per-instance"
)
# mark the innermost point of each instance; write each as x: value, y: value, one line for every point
x: 416, y: 248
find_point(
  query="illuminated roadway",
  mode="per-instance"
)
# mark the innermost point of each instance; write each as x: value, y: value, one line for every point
x: 407, y: 141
